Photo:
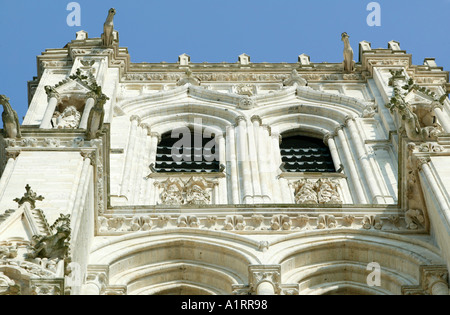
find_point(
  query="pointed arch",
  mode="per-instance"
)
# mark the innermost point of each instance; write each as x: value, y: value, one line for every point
x: 181, y: 260
x: 339, y: 262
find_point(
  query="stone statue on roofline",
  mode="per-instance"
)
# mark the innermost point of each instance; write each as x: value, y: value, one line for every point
x: 11, y: 125
x: 108, y: 29
x: 349, y: 63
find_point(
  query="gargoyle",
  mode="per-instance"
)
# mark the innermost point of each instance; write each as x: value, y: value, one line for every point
x: 108, y: 29
x: 55, y: 246
x: 96, y: 116
x: 11, y: 125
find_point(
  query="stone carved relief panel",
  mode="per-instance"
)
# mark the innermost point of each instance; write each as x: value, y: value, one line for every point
x: 176, y: 192
x: 321, y: 191
x: 68, y: 119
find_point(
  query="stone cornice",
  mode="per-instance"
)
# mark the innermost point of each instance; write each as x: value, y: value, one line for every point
x: 226, y: 72
x: 258, y: 220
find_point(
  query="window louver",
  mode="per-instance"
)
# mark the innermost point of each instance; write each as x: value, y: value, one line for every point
x: 189, y: 160
x: 305, y: 154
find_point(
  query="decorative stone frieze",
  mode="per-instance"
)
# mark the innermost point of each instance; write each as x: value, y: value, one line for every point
x: 261, y: 223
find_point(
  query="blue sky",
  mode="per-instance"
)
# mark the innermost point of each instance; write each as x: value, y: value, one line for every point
x: 216, y: 31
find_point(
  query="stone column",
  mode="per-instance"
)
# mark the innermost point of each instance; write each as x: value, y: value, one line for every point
x: 329, y: 141
x: 140, y: 163
x: 353, y: 172
x: 371, y: 179
x: 89, y: 160
x: 274, y: 163
x: 135, y: 121
x: 443, y: 118
x: 155, y: 139
x: 232, y: 167
x: 424, y: 167
x: 243, y: 160
x: 90, y: 102
x: 265, y: 288
x: 53, y: 101
x: 267, y: 168
x: 222, y: 189
x: 11, y: 156
x: 282, y: 182
x: 261, y: 153
x: 253, y: 158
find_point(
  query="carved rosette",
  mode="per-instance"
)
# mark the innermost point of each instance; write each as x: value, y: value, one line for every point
x: 246, y: 102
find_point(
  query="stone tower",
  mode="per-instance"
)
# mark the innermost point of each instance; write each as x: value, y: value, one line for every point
x: 227, y: 178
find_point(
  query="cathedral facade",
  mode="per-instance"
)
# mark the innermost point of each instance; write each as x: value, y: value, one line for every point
x: 226, y: 178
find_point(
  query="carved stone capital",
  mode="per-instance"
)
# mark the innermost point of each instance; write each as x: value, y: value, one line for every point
x: 135, y: 118
x: 265, y: 273
x: 269, y: 129
x: 146, y: 126
x: 155, y: 135
x: 239, y: 119
x: 435, y: 280
x: 327, y: 137
x: 98, y: 276
x: 47, y: 287
x: 256, y: 118
x: 92, y: 95
x: 52, y: 93
x: 421, y: 161
x: 89, y: 154
x: 12, y: 154
x: 348, y: 120
x: 339, y: 128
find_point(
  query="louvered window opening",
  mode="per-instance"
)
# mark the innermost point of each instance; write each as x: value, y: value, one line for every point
x: 198, y: 157
x: 305, y: 155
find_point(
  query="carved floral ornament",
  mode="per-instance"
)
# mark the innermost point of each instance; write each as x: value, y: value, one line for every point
x: 194, y: 191
x: 76, y: 142
x: 278, y: 223
x: 321, y: 191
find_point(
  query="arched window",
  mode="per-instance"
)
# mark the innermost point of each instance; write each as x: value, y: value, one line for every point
x: 185, y: 151
x: 306, y: 154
